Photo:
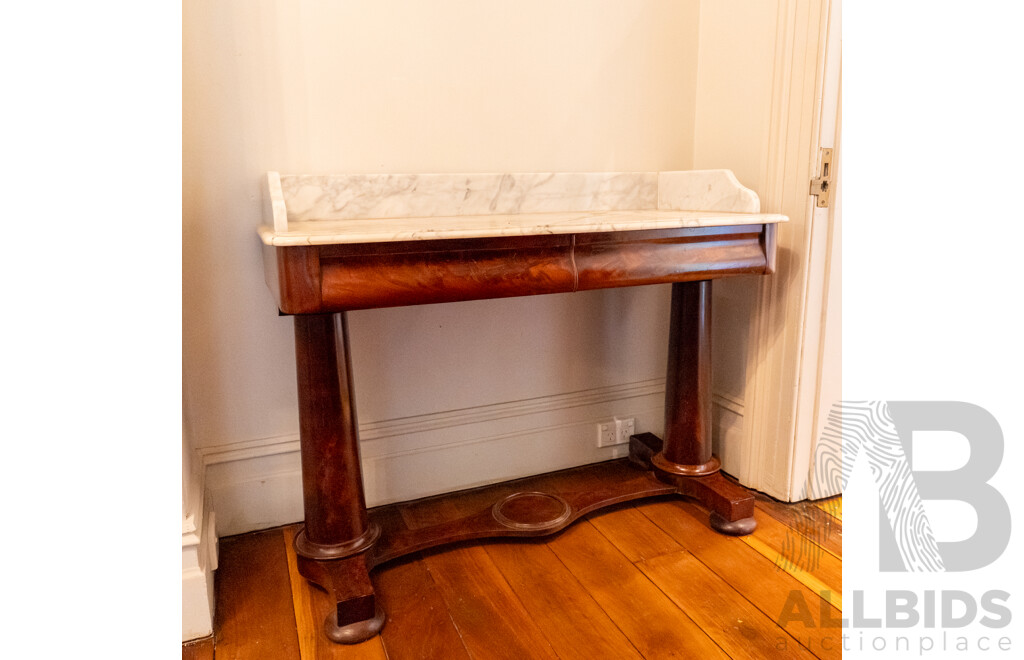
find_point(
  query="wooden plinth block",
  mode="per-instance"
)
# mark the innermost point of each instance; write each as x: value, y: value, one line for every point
x: 732, y: 506
x: 357, y: 617
x: 642, y: 448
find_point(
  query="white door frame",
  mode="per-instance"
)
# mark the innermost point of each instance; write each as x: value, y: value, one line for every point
x: 785, y: 365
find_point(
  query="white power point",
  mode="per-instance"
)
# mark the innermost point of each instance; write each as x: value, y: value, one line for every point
x: 623, y: 429
x: 616, y: 432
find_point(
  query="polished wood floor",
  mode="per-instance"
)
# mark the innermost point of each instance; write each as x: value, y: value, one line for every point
x: 648, y: 580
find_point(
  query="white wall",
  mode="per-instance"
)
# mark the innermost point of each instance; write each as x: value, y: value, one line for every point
x: 388, y: 86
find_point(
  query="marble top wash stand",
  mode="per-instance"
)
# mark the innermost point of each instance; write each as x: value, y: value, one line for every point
x: 338, y: 243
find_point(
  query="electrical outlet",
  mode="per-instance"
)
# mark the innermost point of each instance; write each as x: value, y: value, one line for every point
x: 606, y: 434
x: 615, y: 432
x: 623, y: 429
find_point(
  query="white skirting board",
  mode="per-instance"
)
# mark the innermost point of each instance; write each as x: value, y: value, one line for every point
x: 258, y: 484
x: 198, y: 561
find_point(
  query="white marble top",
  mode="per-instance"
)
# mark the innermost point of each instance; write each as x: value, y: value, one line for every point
x: 375, y: 230
x: 376, y: 208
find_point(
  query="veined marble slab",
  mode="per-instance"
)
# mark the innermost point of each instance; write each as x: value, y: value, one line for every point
x: 359, y: 208
x: 376, y: 230
x: 421, y: 195
x: 705, y: 190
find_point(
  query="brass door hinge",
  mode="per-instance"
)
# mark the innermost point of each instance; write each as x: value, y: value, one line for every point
x: 821, y: 184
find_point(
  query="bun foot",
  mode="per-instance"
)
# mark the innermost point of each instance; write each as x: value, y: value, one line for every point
x: 740, y: 527
x: 353, y: 633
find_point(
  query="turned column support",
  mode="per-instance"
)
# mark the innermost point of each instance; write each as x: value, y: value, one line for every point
x: 687, y: 449
x: 337, y: 533
x: 685, y: 457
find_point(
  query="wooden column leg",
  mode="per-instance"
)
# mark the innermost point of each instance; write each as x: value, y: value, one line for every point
x: 686, y: 458
x: 687, y: 449
x: 337, y: 534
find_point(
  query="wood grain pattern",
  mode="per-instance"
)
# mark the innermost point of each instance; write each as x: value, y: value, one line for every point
x: 718, y: 494
x: 568, y: 616
x: 761, y: 582
x: 333, y: 278
x: 648, y: 618
x: 633, y: 534
x: 807, y: 519
x: 638, y: 262
x: 254, y: 619
x: 687, y: 448
x: 418, y: 624
x: 571, y: 620
x: 490, y: 618
x: 583, y: 490
x: 832, y: 506
x: 799, y: 555
x: 733, y: 622
x: 332, y: 484
x: 298, y: 279
x: 435, y: 277
x: 649, y: 580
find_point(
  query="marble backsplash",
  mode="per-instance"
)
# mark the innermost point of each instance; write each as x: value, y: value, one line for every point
x: 351, y: 196
x: 301, y: 207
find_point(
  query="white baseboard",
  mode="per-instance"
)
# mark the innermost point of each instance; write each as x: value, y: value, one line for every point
x: 198, y: 561
x: 727, y: 431
x: 258, y: 484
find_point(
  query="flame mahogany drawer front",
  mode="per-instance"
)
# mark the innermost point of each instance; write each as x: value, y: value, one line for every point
x: 349, y: 242
x: 335, y: 278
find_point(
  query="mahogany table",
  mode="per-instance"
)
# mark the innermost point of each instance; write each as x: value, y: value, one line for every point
x: 320, y: 268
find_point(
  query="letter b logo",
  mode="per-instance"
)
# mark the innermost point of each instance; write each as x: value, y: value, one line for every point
x: 967, y: 484
x: 883, y: 432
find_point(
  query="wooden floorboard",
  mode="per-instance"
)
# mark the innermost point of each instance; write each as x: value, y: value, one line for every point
x: 832, y: 506
x: 798, y: 554
x: 641, y: 580
x: 254, y: 617
x: 198, y: 650
x: 730, y: 619
x: 568, y: 616
x: 766, y: 585
x: 418, y: 622
x: 490, y: 617
x: 648, y: 618
x: 808, y: 520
